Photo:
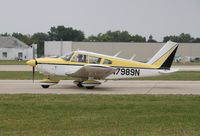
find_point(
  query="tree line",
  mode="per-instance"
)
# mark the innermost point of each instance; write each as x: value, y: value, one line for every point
x: 62, y: 33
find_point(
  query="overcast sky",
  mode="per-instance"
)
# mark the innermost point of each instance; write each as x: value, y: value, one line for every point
x: 156, y: 17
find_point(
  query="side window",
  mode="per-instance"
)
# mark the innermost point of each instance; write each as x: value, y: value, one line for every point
x: 106, y: 61
x: 94, y: 60
x: 20, y: 55
x: 80, y: 58
x: 4, y: 54
x: 68, y: 56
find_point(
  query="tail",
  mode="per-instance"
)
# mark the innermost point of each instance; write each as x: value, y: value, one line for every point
x: 164, y: 57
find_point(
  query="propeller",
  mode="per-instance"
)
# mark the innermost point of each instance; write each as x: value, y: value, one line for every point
x: 32, y: 63
x: 33, y: 70
x: 33, y: 74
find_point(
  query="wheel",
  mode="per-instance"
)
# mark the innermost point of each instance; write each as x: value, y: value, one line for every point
x: 80, y: 85
x: 45, y: 86
x: 89, y: 87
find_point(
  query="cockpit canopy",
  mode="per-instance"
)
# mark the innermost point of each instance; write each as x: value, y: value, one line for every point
x: 84, y: 58
x: 68, y: 56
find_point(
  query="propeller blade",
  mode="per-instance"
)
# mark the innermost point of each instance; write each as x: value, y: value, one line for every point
x: 33, y: 78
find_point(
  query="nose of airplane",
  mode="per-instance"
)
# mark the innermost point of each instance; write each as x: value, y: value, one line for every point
x: 31, y: 62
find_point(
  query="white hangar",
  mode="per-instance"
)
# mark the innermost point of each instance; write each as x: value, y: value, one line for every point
x: 143, y: 51
x: 13, y: 49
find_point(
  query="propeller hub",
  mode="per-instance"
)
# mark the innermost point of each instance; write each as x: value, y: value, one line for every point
x: 31, y: 62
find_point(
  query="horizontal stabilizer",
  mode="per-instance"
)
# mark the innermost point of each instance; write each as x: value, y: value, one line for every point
x: 165, y: 71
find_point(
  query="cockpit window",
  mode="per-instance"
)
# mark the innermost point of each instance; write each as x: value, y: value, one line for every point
x: 94, y: 60
x: 68, y: 56
x: 106, y: 61
x: 80, y: 58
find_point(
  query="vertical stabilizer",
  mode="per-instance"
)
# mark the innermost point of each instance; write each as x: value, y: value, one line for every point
x: 164, y: 57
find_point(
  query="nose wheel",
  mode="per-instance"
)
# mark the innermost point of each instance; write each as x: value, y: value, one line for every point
x: 80, y: 85
x: 45, y: 86
x: 46, y: 83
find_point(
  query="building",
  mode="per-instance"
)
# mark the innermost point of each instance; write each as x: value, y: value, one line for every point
x: 13, y: 49
x: 143, y: 51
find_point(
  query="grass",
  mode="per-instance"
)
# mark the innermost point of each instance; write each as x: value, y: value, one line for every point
x: 181, y: 75
x: 19, y: 75
x: 186, y: 63
x: 12, y: 62
x: 27, y: 75
x: 97, y: 115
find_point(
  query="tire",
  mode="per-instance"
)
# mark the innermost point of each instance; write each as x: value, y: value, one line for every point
x: 80, y: 85
x: 45, y: 86
x: 90, y: 87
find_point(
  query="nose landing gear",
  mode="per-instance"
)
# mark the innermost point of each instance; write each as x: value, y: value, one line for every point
x: 46, y: 83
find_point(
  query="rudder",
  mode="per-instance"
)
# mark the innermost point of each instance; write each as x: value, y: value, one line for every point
x: 164, y: 57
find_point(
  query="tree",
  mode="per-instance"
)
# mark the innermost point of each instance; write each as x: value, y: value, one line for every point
x: 24, y: 38
x: 196, y: 40
x: 39, y: 39
x: 66, y: 34
x: 5, y: 34
x: 185, y: 38
x: 151, y: 39
x: 111, y: 36
x: 138, y: 38
x: 91, y: 38
x: 182, y: 38
x: 116, y: 36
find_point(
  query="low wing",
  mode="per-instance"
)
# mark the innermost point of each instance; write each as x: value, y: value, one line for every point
x: 96, y: 71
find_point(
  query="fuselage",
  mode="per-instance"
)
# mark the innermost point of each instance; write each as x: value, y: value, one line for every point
x: 65, y: 65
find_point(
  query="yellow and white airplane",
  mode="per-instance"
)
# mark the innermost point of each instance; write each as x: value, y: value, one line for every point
x: 88, y: 67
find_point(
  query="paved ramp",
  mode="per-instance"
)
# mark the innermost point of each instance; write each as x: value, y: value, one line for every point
x: 110, y: 87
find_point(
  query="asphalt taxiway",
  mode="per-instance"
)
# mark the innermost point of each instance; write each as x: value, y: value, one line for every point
x: 110, y: 87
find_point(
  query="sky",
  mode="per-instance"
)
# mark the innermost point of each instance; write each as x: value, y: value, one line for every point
x: 144, y: 17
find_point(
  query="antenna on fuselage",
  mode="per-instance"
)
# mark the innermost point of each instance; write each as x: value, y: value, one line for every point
x: 117, y: 54
x: 132, y: 57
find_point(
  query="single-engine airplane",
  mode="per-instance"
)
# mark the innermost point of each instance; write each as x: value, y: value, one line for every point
x: 87, y: 67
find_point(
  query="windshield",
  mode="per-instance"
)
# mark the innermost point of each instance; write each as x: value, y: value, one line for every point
x: 67, y: 57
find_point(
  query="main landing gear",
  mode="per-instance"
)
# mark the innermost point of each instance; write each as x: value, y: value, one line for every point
x: 89, y: 84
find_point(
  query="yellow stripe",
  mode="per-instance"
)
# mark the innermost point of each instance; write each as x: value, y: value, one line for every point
x: 115, y: 62
x: 160, y: 61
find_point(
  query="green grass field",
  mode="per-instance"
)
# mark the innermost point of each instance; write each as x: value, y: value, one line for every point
x: 12, y: 62
x: 186, y: 63
x: 97, y: 115
x: 20, y: 75
x: 181, y: 75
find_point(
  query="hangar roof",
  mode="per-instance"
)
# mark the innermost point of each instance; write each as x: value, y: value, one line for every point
x: 11, y: 42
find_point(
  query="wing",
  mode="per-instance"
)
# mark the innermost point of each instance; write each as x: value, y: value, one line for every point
x: 96, y: 71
